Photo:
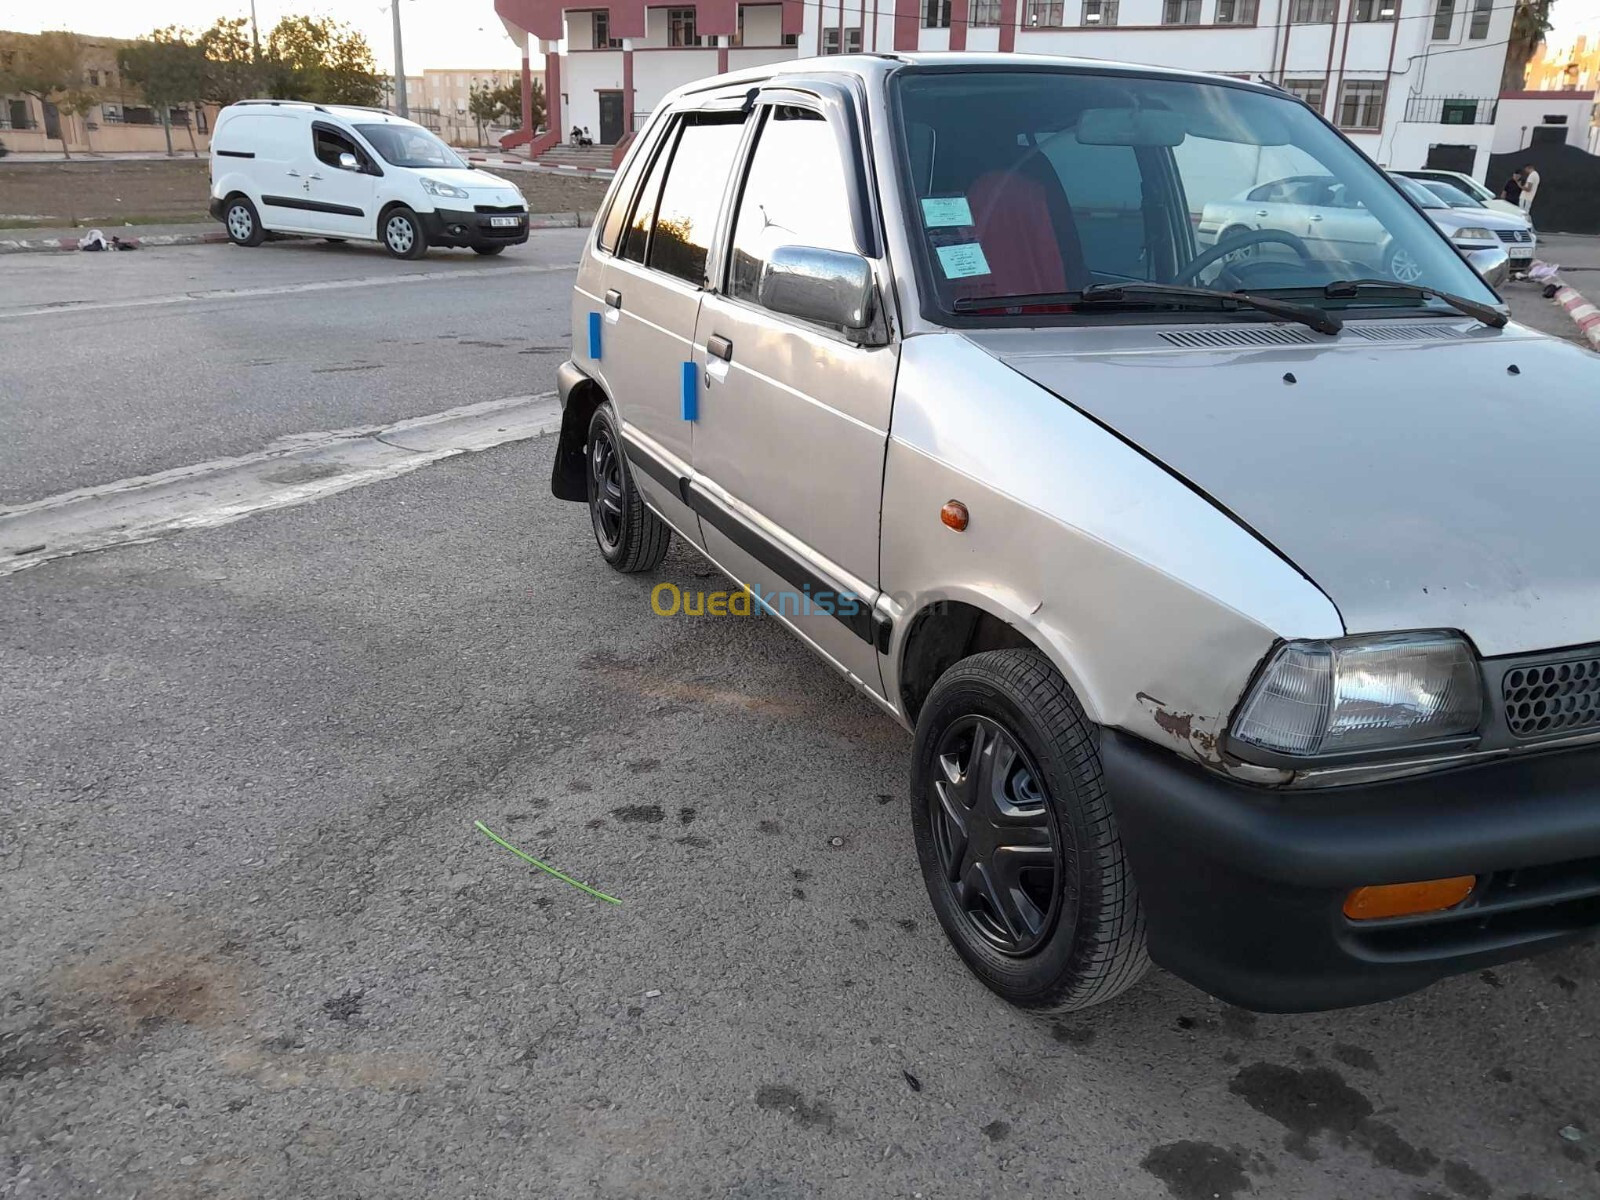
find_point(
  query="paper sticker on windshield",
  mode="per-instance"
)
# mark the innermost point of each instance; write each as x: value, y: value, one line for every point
x: 939, y: 211
x: 960, y: 262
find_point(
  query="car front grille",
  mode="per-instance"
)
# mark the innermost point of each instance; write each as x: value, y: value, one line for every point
x: 501, y: 209
x: 1562, y: 696
x: 1517, y: 236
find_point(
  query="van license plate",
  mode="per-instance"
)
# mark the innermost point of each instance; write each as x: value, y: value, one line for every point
x: 505, y: 222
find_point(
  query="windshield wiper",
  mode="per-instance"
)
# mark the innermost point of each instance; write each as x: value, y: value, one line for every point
x: 1112, y: 293
x: 1342, y: 289
x: 1020, y: 300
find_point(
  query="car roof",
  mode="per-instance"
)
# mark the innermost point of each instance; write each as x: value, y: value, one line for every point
x: 344, y: 112
x: 880, y: 66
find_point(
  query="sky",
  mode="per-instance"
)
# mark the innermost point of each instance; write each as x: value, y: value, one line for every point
x: 442, y: 34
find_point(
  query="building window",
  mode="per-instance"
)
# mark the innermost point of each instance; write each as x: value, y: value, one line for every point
x: 1312, y: 91
x: 94, y: 78
x: 791, y: 39
x: 852, y: 41
x: 1361, y: 104
x: 1311, y: 12
x: 1481, y: 9
x: 830, y: 41
x: 680, y: 27
x: 1236, y: 12
x: 983, y: 12
x: 936, y: 14
x: 1375, y: 10
x: 1046, y: 14
x: 602, y: 32
x: 1102, y: 12
x: 1443, y: 17
x: 1180, y: 12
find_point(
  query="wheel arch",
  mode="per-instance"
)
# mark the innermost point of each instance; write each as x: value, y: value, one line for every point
x: 581, y: 399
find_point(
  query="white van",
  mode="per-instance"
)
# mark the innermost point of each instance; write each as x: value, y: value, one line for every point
x: 358, y: 174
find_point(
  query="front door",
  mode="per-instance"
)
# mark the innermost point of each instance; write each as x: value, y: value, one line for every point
x: 789, y: 445
x: 611, y: 128
x: 651, y: 291
x: 340, y: 200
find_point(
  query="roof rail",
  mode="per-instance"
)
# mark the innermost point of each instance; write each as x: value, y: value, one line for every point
x: 302, y: 103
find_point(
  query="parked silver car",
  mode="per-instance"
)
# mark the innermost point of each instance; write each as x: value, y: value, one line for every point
x: 1470, y: 186
x: 1245, y: 610
x: 1493, y: 242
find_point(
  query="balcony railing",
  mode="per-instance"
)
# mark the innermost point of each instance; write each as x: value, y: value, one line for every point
x: 1450, y: 110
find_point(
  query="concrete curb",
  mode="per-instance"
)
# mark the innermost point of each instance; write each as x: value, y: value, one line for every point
x: 572, y: 220
x: 1585, y: 315
x: 522, y: 164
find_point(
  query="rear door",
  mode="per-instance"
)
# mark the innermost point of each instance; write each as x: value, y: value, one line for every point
x: 651, y: 288
x: 789, y: 444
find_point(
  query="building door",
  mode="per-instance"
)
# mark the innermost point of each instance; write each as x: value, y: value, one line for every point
x: 610, y: 118
x: 52, y: 121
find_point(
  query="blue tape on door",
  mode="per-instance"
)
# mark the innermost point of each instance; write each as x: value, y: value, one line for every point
x: 594, y: 336
x: 691, y: 393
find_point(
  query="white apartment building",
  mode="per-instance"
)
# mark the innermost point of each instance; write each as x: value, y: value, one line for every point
x: 1405, y: 79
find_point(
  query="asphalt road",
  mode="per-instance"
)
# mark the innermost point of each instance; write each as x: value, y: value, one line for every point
x: 254, y: 946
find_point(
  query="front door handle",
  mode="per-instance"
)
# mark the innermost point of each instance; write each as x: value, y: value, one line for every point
x: 614, y: 299
x: 718, y: 346
x: 1316, y: 216
x: 1261, y: 212
x: 293, y: 174
x: 313, y: 176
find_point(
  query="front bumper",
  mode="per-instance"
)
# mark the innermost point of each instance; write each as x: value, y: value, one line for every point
x: 465, y: 227
x: 1243, y: 887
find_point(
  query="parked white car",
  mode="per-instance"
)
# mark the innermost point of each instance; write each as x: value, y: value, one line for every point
x: 1470, y: 186
x: 353, y: 174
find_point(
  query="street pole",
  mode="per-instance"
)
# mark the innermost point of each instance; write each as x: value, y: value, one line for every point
x: 399, y: 62
x: 255, y: 35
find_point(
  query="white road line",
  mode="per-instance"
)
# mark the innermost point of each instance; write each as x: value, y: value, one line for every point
x: 286, y: 289
x: 291, y: 470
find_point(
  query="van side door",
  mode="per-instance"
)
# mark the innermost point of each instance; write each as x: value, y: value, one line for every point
x: 651, y: 290
x: 793, y: 423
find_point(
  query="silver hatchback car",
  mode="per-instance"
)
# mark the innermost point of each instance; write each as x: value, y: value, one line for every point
x: 1245, y: 608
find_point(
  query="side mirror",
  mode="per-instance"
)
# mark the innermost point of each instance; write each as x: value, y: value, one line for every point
x: 349, y: 162
x: 831, y: 287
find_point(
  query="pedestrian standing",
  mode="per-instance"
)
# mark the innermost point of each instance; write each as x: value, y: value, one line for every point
x: 1530, y: 187
x: 1512, y: 191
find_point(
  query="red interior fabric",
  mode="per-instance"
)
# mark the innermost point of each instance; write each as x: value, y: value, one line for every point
x: 1011, y: 213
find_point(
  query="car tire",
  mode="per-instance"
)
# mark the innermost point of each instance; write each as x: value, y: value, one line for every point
x: 402, y: 233
x: 243, y: 223
x: 1017, y: 839
x: 631, y: 537
x: 487, y: 251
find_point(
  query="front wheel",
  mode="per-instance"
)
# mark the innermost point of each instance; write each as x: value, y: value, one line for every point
x: 243, y: 223
x: 1018, y: 844
x: 631, y: 537
x: 403, y: 235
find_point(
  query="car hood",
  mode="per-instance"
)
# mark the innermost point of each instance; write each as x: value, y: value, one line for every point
x: 1451, y: 219
x: 473, y: 181
x: 1450, y: 482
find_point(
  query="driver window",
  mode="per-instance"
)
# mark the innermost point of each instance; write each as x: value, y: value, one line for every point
x: 329, y: 145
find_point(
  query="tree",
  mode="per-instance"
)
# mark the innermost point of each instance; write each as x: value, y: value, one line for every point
x: 321, y: 60
x: 49, y: 67
x: 169, y: 69
x: 1529, y: 23
x: 504, y: 103
x: 485, y: 105
x: 232, y: 70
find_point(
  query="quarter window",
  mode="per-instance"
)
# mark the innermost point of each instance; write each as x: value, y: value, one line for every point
x: 686, y: 217
x: 329, y: 144
x: 637, y: 237
x: 795, y: 195
x: 618, y: 213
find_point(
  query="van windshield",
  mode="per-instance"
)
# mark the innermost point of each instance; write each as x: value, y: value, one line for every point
x: 409, y: 146
x: 1040, y: 184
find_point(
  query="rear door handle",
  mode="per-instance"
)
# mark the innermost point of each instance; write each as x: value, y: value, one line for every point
x: 614, y: 299
x: 293, y: 174
x: 1261, y: 212
x: 313, y: 176
x: 719, y: 347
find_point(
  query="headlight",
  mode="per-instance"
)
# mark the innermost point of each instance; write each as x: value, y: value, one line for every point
x: 435, y: 188
x: 1473, y: 234
x: 1362, y: 693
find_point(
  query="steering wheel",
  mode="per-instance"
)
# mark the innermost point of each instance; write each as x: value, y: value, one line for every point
x: 1250, y: 237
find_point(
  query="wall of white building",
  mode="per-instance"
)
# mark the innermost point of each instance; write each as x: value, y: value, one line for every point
x: 1521, y: 114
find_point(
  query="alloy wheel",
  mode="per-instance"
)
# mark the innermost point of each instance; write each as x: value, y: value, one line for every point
x: 1404, y: 268
x: 605, y: 489
x: 399, y: 234
x: 996, y: 836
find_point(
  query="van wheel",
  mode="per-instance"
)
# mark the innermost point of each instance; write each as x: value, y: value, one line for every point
x: 402, y: 234
x: 243, y: 223
x: 631, y: 537
x: 1017, y: 840
x: 487, y: 251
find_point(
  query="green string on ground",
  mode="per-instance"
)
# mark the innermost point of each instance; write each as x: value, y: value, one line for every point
x: 545, y: 867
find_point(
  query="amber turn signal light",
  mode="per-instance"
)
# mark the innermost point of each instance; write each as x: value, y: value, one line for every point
x: 954, y: 514
x: 1408, y: 899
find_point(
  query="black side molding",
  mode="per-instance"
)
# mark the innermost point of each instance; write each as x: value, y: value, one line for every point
x: 343, y: 210
x: 236, y: 153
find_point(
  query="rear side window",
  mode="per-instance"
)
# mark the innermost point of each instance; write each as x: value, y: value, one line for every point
x: 636, y: 237
x: 618, y: 213
x: 686, y: 218
x: 795, y: 195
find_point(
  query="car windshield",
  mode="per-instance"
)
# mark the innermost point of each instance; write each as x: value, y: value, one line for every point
x: 1038, y: 184
x: 1419, y: 192
x: 1450, y: 194
x: 409, y: 146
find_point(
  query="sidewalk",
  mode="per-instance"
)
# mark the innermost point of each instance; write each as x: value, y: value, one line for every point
x: 195, y: 233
